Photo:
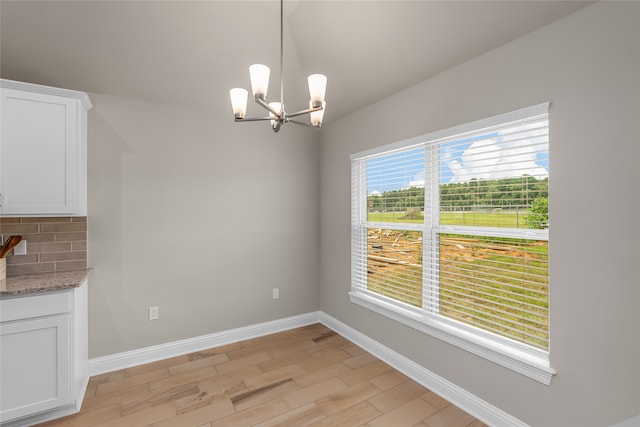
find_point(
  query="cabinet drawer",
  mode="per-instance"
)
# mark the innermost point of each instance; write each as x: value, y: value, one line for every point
x: 31, y: 306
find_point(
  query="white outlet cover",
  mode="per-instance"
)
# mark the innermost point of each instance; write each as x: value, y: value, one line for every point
x: 20, y: 248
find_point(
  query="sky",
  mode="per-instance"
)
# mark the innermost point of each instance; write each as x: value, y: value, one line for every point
x: 514, y: 153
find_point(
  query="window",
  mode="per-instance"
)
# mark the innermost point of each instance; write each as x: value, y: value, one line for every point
x: 450, y: 236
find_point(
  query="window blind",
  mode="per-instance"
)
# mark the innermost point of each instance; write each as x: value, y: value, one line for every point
x: 454, y: 226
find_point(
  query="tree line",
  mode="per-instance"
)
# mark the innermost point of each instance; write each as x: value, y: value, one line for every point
x: 476, y: 193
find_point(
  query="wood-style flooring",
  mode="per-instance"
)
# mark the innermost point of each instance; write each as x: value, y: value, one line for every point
x: 308, y: 376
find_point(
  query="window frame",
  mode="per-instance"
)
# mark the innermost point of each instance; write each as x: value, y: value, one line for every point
x: 519, y: 357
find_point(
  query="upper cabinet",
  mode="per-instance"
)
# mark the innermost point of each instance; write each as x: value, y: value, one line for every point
x: 43, y: 166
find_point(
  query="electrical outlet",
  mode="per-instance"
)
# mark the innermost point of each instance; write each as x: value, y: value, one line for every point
x: 20, y: 248
x: 153, y: 312
x: 276, y: 293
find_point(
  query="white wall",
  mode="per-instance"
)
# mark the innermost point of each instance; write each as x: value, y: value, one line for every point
x: 588, y: 66
x: 200, y: 216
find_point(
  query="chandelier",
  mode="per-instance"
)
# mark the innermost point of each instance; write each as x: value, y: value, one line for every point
x: 259, y: 75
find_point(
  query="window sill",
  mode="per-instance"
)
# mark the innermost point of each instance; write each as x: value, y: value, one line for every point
x: 533, y: 366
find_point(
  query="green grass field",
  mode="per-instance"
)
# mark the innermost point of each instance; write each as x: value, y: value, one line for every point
x: 479, y: 277
x: 506, y: 218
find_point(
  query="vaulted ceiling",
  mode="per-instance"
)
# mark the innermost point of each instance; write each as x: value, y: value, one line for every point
x: 192, y: 52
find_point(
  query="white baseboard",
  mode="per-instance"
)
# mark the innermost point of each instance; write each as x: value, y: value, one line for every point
x: 128, y: 359
x: 631, y: 422
x: 42, y: 417
x: 464, y: 400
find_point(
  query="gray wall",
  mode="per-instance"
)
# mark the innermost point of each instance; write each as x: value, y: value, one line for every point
x: 588, y: 66
x: 203, y: 217
x: 200, y: 216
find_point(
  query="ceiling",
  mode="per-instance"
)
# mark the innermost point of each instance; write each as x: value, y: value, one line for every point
x: 191, y: 53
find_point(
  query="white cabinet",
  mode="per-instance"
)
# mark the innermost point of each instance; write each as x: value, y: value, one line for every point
x: 43, y: 349
x: 35, y: 365
x: 42, y: 150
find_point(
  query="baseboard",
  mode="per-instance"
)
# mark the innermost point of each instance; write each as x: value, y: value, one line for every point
x: 631, y: 422
x: 42, y: 417
x: 466, y: 401
x: 141, y: 356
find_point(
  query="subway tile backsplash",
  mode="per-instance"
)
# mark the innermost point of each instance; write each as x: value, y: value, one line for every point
x: 53, y: 244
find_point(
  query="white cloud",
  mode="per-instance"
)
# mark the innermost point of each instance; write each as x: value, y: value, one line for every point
x: 492, y: 159
x: 416, y: 181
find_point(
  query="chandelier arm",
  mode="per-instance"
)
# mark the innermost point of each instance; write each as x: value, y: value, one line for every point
x: 252, y: 119
x: 266, y: 106
x: 302, y: 112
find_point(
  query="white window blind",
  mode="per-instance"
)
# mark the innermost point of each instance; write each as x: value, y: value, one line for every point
x: 451, y: 230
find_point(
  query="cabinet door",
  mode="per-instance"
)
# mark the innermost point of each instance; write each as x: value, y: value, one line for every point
x: 38, y: 153
x: 34, y: 367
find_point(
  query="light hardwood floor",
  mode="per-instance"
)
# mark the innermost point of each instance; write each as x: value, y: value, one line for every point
x: 305, y: 376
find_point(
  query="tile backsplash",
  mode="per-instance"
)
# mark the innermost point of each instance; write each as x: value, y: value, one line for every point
x: 53, y: 244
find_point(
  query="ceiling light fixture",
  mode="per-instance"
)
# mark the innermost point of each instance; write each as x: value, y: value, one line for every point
x: 259, y: 75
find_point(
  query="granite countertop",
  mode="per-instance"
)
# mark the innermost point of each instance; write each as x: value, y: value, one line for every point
x: 44, y: 282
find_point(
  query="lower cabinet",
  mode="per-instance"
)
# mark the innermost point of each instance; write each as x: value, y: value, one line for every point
x: 35, y: 365
x: 43, y: 363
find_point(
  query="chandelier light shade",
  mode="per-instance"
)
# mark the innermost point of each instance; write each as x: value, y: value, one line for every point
x: 317, y: 115
x: 275, y: 106
x: 239, y: 102
x: 259, y: 76
x: 317, y: 88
